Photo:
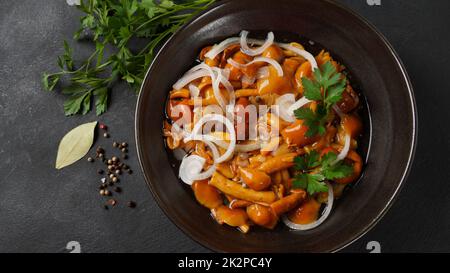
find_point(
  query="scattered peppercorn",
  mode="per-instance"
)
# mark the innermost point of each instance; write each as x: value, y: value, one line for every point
x: 113, y: 169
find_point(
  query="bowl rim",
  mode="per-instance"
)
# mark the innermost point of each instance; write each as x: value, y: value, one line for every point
x: 413, y: 143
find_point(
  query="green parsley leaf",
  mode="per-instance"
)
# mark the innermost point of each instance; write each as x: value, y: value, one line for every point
x: 315, y: 121
x: 312, y: 89
x: 312, y: 183
x: 337, y: 170
x: 307, y: 161
x: 76, y: 104
x: 313, y: 170
x: 326, y: 89
x: 101, y: 100
x: 114, y: 24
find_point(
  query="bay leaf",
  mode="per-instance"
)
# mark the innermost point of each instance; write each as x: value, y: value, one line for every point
x: 75, y: 144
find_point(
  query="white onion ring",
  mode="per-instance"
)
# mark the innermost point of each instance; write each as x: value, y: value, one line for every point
x: 189, y: 77
x: 343, y: 154
x: 195, y: 134
x: 194, y: 91
x: 244, y: 148
x: 270, y: 61
x: 248, y: 80
x: 284, y: 103
x: 305, y: 54
x: 319, y: 221
x: 263, y: 72
x: 257, y: 51
x: 216, y: 80
x: 192, y: 165
x: 216, y: 88
x: 216, y: 49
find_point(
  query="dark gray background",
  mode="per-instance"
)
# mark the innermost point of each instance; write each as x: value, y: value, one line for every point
x: 42, y: 209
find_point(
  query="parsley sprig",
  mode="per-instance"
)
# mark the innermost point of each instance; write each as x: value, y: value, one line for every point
x: 326, y: 88
x: 314, y: 169
x: 116, y: 25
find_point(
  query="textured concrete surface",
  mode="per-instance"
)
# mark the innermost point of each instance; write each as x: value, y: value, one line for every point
x: 42, y: 209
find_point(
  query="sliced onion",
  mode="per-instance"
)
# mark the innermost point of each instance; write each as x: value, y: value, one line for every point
x: 178, y: 132
x: 319, y: 221
x: 189, y: 77
x: 274, y: 63
x: 231, y: 203
x: 217, y: 49
x: 284, y: 103
x: 194, y: 91
x: 343, y: 154
x: 245, y: 148
x: 263, y: 72
x: 216, y: 88
x: 257, y: 51
x: 195, y: 134
x: 305, y: 54
x: 191, y: 167
x: 217, y: 77
x: 248, y: 80
x: 300, y: 103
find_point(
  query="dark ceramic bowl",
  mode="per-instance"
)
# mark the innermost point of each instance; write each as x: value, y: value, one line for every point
x: 390, y: 117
